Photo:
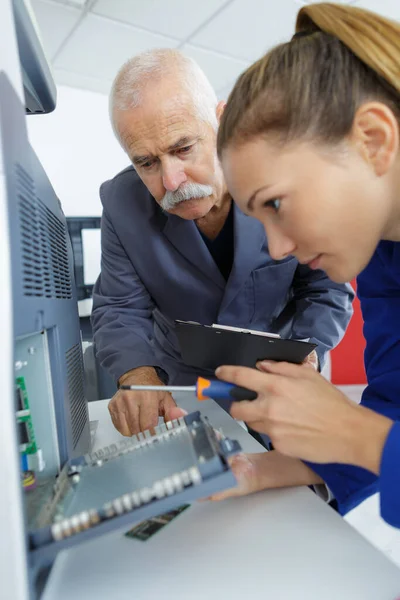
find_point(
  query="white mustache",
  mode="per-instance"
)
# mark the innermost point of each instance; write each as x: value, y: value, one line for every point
x: 187, y: 191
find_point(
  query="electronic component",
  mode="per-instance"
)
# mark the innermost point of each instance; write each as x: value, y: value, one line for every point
x: 28, y: 480
x: 27, y: 440
x: 23, y: 433
x: 130, y: 481
x: 146, y: 529
x: 42, y: 341
x: 24, y: 419
x: 19, y: 397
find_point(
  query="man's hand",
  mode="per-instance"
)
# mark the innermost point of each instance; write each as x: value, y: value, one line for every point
x: 307, y: 417
x: 132, y: 411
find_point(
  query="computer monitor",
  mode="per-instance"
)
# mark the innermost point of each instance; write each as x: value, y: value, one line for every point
x: 95, y: 492
x: 68, y: 493
x: 44, y: 411
x: 46, y: 323
x: 86, y: 247
x: 38, y: 85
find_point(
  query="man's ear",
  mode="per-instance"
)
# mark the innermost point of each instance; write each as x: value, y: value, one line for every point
x: 220, y: 109
x: 375, y: 132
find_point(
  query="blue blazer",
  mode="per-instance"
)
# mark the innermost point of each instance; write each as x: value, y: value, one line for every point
x: 156, y: 268
x: 378, y: 287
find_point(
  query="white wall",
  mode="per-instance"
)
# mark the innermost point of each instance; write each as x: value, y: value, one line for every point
x: 77, y: 148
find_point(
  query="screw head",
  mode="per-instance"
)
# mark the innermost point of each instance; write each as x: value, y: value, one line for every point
x: 20, y: 364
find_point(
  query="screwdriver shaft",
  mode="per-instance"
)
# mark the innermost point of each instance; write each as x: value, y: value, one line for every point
x: 160, y: 388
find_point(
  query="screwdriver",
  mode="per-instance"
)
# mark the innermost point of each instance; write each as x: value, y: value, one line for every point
x: 204, y: 389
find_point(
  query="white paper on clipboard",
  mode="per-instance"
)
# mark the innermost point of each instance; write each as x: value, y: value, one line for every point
x: 241, y: 330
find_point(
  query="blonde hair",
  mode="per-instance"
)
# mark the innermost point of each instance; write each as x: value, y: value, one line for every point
x: 311, y: 87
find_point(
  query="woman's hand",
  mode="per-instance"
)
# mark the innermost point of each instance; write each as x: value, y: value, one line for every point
x: 266, y: 470
x: 244, y: 468
x: 307, y: 417
x: 310, y: 361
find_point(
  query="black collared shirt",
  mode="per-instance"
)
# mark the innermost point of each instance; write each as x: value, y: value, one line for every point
x: 222, y: 247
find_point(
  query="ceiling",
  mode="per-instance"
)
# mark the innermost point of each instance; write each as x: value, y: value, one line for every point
x: 87, y: 41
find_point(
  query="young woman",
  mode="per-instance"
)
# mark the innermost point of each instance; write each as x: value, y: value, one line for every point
x: 309, y: 145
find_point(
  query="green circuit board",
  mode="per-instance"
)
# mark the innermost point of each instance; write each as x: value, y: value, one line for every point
x: 24, y: 418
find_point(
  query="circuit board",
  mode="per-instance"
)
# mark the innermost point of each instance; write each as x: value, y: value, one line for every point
x: 131, y: 481
x: 24, y: 419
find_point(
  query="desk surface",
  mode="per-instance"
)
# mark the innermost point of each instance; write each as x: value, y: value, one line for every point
x: 283, y: 544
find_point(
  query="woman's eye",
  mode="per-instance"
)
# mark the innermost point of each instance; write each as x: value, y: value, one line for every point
x: 275, y: 204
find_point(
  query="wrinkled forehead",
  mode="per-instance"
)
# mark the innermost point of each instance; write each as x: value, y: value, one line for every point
x: 157, y: 123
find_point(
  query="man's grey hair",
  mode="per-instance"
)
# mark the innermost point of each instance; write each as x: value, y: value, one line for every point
x: 128, y: 86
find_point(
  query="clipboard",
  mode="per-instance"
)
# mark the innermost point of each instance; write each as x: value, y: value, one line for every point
x: 208, y: 347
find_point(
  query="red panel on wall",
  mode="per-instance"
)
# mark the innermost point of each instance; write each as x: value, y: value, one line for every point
x: 347, y: 359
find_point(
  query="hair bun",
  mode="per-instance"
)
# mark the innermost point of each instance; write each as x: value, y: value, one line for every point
x: 374, y: 39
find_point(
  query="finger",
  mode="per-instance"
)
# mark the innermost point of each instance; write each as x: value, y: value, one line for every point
x: 125, y: 428
x: 229, y: 493
x: 167, y: 403
x: 248, y: 378
x: 262, y: 426
x: 175, y: 412
x: 311, y: 361
x: 131, y: 410
x: 308, y: 364
x: 284, y: 369
x: 114, y: 417
x: 149, y: 412
x: 263, y: 366
x: 242, y: 469
x: 248, y: 411
x: 119, y: 421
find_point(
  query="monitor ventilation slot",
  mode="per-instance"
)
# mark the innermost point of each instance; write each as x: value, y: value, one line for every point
x: 78, y: 405
x: 44, y: 248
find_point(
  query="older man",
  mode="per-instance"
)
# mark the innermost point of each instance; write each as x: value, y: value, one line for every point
x: 174, y: 245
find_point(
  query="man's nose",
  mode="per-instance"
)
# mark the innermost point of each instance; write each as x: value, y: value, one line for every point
x: 279, y: 245
x: 173, y: 176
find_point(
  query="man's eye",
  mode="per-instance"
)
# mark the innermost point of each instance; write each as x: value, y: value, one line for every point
x: 147, y: 165
x: 275, y: 204
x: 184, y: 149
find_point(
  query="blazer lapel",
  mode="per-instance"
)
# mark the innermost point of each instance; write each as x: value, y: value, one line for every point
x: 249, y: 237
x: 186, y: 238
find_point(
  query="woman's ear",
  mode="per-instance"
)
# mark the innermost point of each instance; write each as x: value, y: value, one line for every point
x: 375, y: 132
x: 220, y: 109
